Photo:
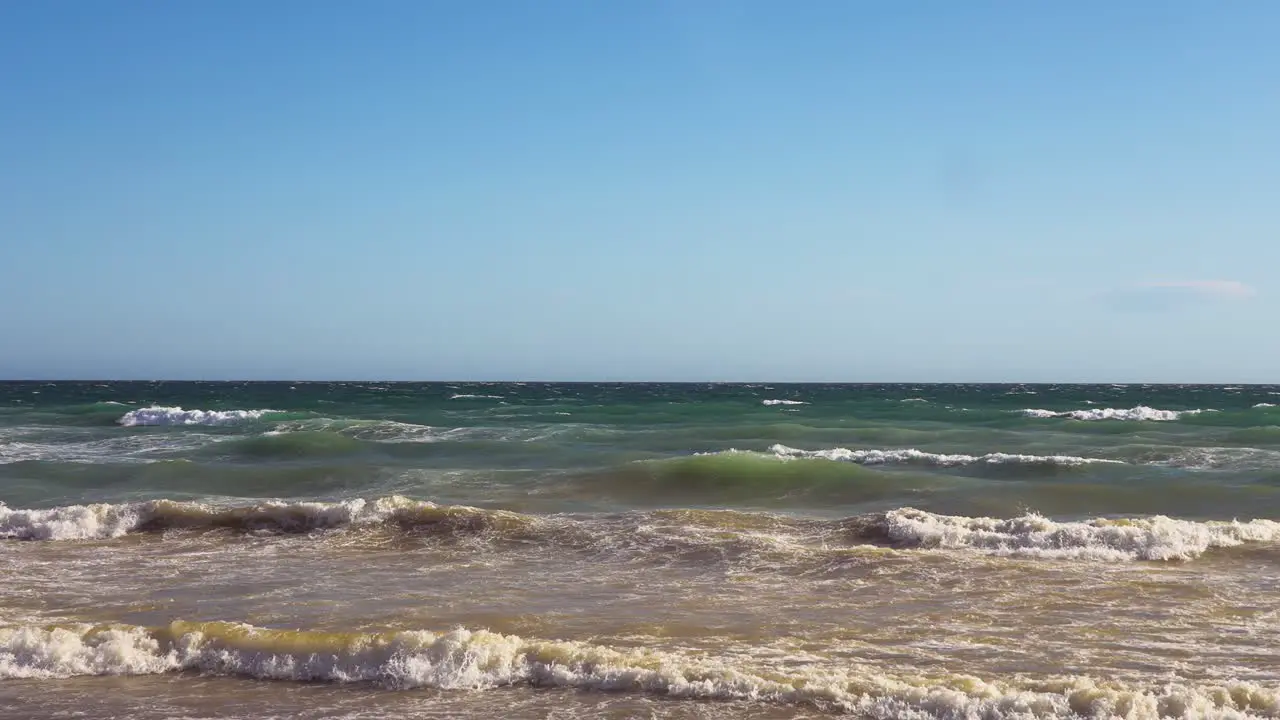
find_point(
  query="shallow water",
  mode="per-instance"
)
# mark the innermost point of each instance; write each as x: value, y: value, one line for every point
x: 454, y: 550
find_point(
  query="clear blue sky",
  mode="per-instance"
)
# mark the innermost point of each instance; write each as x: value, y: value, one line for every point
x: 860, y: 191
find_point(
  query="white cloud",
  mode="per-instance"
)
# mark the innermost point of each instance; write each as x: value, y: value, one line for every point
x: 1208, y: 288
x: 1174, y: 295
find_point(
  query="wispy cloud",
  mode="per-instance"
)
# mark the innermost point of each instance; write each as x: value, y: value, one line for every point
x: 1206, y: 288
x: 1176, y: 294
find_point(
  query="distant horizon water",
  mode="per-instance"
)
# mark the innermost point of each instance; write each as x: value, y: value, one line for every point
x: 591, y: 381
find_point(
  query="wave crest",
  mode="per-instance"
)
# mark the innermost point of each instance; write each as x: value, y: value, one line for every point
x: 1157, y: 538
x: 161, y: 416
x: 103, y: 521
x: 479, y: 659
x: 782, y: 540
x: 1139, y: 413
x: 920, y: 457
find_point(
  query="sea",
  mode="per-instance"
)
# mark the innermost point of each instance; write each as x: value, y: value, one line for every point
x: 576, y: 550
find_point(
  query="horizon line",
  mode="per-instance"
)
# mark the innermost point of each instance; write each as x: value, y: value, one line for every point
x: 625, y: 382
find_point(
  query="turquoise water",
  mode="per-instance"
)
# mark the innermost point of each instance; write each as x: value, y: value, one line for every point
x: 620, y: 550
x: 1200, y: 451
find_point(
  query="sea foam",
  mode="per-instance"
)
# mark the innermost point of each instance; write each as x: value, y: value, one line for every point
x: 1031, y: 535
x: 920, y: 457
x: 465, y: 659
x: 106, y: 520
x: 157, y: 415
x: 1156, y: 538
x: 1139, y: 413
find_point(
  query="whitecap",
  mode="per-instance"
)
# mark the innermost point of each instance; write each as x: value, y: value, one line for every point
x: 478, y: 660
x: 1032, y: 535
x: 157, y: 415
x: 912, y: 455
x: 1139, y: 413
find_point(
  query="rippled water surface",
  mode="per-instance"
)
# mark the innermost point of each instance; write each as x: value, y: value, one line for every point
x: 615, y: 551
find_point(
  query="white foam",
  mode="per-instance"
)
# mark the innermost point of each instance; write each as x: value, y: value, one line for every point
x: 391, y: 431
x: 1153, y: 538
x: 73, y: 522
x: 911, y: 455
x: 93, y: 452
x: 1139, y: 413
x: 1265, y: 405
x: 478, y: 660
x: 105, y: 520
x: 1224, y: 458
x: 465, y: 396
x: 35, y: 444
x: 783, y: 402
x: 157, y: 415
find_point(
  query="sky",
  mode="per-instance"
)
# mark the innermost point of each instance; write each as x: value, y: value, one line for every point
x: 928, y: 190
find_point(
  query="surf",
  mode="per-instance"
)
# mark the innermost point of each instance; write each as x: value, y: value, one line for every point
x: 663, y: 532
x: 1157, y: 538
x: 163, y: 416
x: 479, y: 660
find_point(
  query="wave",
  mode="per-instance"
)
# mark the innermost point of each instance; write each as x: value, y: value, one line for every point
x: 740, y: 476
x: 118, y: 450
x: 1264, y: 405
x: 1139, y: 413
x: 318, y: 437
x: 739, y: 535
x: 293, y: 444
x: 1112, y: 540
x: 386, y: 431
x: 157, y: 415
x: 783, y: 402
x: 752, y: 542
x: 108, y: 520
x: 465, y: 396
x: 913, y: 456
x: 475, y: 660
x: 1220, y: 458
x: 660, y: 536
x: 323, y: 439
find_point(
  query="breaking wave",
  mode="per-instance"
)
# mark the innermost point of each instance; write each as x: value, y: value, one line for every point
x: 919, y: 457
x: 1151, y: 538
x: 783, y: 402
x: 1139, y: 413
x: 465, y: 659
x: 157, y: 415
x: 664, y: 533
x: 107, y: 520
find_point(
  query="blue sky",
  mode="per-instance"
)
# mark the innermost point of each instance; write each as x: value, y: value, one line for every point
x: 845, y: 191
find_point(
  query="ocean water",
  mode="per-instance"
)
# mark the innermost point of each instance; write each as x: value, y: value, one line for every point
x: 365, y: 550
